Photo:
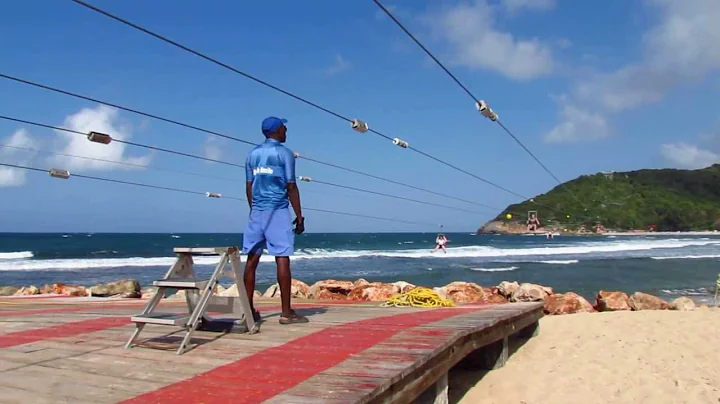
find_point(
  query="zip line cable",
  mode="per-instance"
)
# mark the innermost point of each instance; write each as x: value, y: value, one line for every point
x: 304, y: 179
x: 217, y: 62
x: 389, y: 196
x: 159, y: 118
x: 124, y: 163
x: 57, y: 90
x: 186, y: 191
x: 397, y: 141
x: 59, y: 128
x: 477, y: 100
x: 42, y: 125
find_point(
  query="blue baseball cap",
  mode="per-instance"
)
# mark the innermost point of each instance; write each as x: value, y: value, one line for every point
x: 271, y: 124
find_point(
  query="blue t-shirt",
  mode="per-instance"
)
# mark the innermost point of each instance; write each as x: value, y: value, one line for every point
x: 270, y: 167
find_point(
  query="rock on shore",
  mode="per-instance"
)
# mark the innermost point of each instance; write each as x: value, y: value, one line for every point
x: 363, y: 291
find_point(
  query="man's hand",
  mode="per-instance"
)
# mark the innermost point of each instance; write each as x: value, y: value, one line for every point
x: 299, y: 223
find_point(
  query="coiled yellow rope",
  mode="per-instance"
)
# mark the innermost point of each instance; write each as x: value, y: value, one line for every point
x: 418, y: 297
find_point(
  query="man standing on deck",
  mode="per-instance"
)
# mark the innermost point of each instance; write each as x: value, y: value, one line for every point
x: 270, y: 176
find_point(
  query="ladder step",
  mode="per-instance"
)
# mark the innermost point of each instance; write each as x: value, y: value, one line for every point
x: 181, y: 283
x: 162, y: 319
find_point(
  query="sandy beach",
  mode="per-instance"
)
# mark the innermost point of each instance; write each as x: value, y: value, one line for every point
x: 612, y: 357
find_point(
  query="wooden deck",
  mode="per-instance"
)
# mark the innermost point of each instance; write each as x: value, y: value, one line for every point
x: 69, y: 350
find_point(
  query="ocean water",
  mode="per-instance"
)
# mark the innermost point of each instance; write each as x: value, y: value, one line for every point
x: 667, y: 266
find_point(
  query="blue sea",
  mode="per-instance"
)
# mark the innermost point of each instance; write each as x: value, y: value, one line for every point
x: 667, y: 266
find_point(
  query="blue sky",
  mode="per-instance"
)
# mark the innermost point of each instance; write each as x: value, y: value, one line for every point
x: 586, y: 86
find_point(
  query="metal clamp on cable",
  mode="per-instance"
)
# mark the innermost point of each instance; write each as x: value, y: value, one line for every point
x: 306, y: 179
x: 98, y: 137
x: 58, y: 173
x: 359, y: 125
x: 213, y: 195
x: 486, y: 110
x: 399, y: 142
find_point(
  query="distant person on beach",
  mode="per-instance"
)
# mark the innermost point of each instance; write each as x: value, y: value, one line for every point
x: 440, y: 242
x: 270, y: 176
x: 533, y: 223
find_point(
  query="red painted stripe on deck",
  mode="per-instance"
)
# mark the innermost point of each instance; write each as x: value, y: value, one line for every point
x: 74, y: 328
x: 62, y: 330
x: 71, y: 309
x: 270, y: 372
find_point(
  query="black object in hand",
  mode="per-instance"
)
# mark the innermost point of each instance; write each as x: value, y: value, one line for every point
x: 299, y: 225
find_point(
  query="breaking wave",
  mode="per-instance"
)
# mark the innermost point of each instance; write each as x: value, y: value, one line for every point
x: 22, y: 261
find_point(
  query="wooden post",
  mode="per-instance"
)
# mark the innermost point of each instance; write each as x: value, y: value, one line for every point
x: 489, y: 357
x: 437, y: 393
x: 496, y: 354
x: 530, y: 331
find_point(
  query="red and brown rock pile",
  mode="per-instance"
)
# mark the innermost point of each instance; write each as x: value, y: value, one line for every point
x: 643, y: 301
x: 612, y: 301
x: 567, y: 303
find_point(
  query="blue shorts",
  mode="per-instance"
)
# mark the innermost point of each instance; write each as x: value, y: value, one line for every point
x: 271, y: 229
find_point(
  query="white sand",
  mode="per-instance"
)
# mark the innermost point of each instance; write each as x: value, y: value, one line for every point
x: 620, y: 357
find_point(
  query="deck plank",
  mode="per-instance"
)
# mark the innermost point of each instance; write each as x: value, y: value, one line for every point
x: 328, y: 360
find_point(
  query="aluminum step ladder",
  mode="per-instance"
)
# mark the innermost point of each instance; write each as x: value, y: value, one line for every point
x: 198, y: 295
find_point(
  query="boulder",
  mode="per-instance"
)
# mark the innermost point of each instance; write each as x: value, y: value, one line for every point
x: 218, y: 290
x: 507, y: 289
x: 464, y: 292
x: 612, y: 301
x: 567, y: 303
x: 147, y: 292
x: 441, y: 292
x: 27, y: 290
x: 180, y: 294
x: 47, y: 289
x: 402, y: 286
x: 232, y: 291
x: 297, y: 289
x: 361, y: 282
x: 530, y: 292
x: 129, y: 288
x: 494, y: 299
x: 682, y: 304
x: 373, y: 292
x: 644, y: 301
x: 332, y: 286
x: 272, y: 291
x: 325, y: 294
x: 8, y: 290
x: 70, y: 290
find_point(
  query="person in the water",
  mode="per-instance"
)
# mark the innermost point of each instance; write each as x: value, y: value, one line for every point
x: 440, y: 242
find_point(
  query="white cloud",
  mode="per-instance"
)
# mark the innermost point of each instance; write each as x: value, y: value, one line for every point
x: 212, y: 149
x: 476, y: 43
x: 688, y: 156
x: 340, y: 65
x: 578, y: 124
x: 680, y: 49
x: 100, y: 119
x: 539, y: 5
x: 13, y: 177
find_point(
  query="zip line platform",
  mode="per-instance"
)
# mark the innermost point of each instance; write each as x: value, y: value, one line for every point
x: 71, y: 350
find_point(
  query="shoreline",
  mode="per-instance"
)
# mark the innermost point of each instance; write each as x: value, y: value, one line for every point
x: 361, y: 290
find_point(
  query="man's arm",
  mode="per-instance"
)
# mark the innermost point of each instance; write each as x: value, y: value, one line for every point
x: 292, y: 188
x: 248, y: 193
x: 294, y: 196
x: 249, y: 177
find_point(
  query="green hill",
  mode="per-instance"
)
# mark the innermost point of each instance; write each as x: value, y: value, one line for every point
x: 672, y: 200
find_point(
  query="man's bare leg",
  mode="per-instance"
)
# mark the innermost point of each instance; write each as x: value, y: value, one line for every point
x: 285, y: 281
x: 249, y: 277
